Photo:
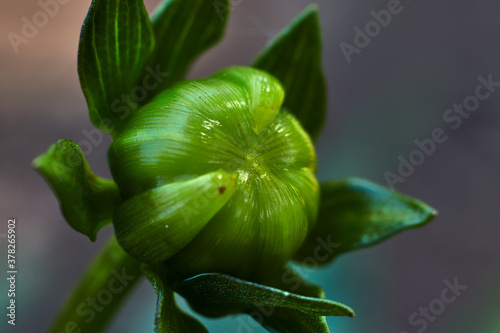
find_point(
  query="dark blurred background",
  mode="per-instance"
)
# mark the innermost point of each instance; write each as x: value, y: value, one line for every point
x: 394, y: 91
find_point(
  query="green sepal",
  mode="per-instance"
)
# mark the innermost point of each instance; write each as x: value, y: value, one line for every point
x: 216, y: 295
x: 156, y: 224
x: 168, y: 317
x: 356, y: 213
x: 294, y: 57
x: 87, y: 201
x: 184, y: 30
x: 116, y: 42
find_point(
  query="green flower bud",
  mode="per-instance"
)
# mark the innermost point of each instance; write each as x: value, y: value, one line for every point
x: 216, y: 177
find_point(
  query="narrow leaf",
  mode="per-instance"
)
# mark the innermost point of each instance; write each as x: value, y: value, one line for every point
x: 292, y: 321
x: 288, y: 320
x: 168, y: 317
x: 294, y: 57
x: 289, y: 280
x: 116, y: 42
x: 87, y: 201
x: 355, y: 213
x: 156, y: 224
x: 184, y: 30
x: 218, y: 294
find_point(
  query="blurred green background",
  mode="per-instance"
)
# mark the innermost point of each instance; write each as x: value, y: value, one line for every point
x: 393, y: 92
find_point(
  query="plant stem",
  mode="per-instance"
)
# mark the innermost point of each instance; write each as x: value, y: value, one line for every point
x: 100, y: 292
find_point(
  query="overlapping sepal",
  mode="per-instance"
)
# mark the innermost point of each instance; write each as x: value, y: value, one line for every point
x: 156, y: 224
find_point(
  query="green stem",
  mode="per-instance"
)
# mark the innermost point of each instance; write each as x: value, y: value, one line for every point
x: 100, y: 292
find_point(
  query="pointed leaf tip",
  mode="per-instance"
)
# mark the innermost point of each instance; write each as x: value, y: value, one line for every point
x: 355, y: 213
x: 218, y: 294
x: 294, y: 57
x: 289, y: 320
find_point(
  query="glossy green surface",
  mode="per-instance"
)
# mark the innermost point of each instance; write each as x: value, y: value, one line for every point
x: 157, y: 223
x: 234, y: 122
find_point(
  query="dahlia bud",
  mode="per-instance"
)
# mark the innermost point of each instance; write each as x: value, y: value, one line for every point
x: 216, y: 177
x: 213, y: 186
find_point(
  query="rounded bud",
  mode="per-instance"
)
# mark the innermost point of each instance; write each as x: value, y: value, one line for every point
x: 216, y: 177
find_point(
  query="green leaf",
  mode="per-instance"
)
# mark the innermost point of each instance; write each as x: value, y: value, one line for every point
x: 355, y: 213
x: 184, y: 30
x: 289, y: 280
x: 294, y: 57
x: 87, y: 201
x: 168, y: 317
x: 156, y: 224
x: 293, y: 321
x: 216, y: 295
x: 116, y: 42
